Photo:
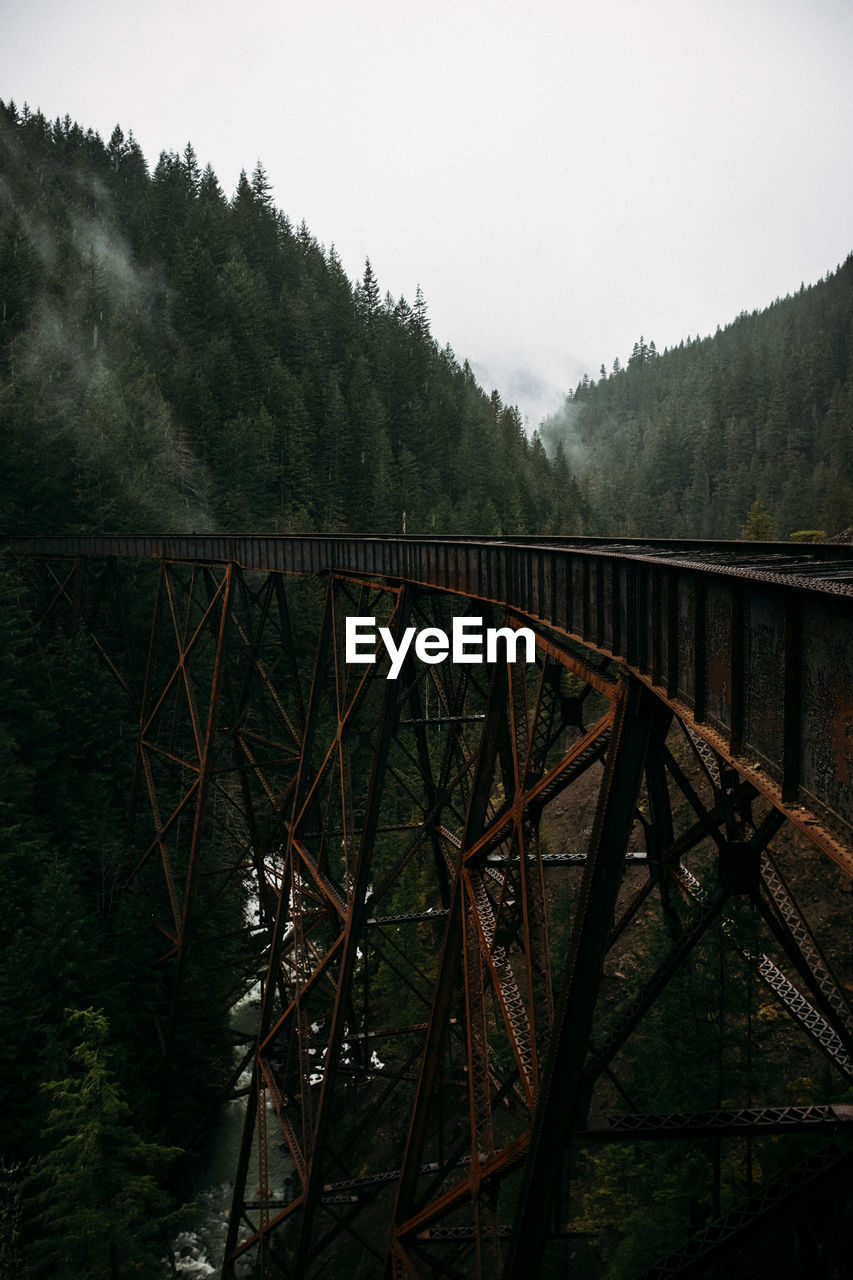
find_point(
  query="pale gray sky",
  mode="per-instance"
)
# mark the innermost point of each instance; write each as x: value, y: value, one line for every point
x: 559, y: 176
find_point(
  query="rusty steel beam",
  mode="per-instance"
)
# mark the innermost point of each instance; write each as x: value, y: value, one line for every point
x: 560, y: 1101
x: 432, y: 936
x: 676, y: 1126
x: 353, y: 930
x: 749, y: 643
x: 447, y: 980
x: 681, y: 1126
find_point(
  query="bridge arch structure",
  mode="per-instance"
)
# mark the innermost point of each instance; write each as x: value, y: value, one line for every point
x: 474, y: 888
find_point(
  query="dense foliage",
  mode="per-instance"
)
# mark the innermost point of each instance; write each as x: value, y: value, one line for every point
x: 79, y: 998
x: 172, y: 358
x: 684, y: 443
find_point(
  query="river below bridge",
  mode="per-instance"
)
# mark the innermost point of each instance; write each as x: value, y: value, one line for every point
x: 199, y: 1249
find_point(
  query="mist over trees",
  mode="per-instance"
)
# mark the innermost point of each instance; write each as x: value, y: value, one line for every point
x: 683, y: 444
x: 170, y: 358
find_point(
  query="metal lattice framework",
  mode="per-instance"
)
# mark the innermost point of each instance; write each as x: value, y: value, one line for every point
x: 450, y: 870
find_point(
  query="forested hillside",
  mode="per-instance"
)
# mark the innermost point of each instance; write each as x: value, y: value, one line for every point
x: 172, y: 358
x: 87, y: 1153
x: 682, y: 444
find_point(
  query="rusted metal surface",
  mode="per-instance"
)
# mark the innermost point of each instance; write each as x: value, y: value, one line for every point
x: 751, y: 640
x: 432, y: 935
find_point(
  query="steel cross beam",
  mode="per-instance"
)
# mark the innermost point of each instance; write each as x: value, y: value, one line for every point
x: 560, y: 1099
x: 751, y: 641
x: 439, y: 945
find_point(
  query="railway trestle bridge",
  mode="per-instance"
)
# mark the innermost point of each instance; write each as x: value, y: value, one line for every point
x: 474, y: 893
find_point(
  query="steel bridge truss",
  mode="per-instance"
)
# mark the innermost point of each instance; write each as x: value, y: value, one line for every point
x: 466, y: 892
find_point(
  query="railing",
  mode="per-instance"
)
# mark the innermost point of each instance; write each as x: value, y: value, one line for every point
x: 751, y: 641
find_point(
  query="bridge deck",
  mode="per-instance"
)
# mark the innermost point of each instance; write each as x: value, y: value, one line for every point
x: 751, y: 642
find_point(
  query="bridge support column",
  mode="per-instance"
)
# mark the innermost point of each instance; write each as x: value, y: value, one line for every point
x: 415, y: 850
x: 560, y: 1097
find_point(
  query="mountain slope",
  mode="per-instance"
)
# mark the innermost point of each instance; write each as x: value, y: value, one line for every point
x: 682, y: 444
x: 172, y: 358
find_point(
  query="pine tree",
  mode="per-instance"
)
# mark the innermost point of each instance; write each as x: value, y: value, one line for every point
x: 98, y: 1209
x: 192, y: 172
x: 759, y: 525
x: 367, y: 295
x: 261, y: 186
x: 116, y: 148
x: 420, y: 319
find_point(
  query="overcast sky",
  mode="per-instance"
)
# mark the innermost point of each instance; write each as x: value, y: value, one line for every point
x: 558, y: 176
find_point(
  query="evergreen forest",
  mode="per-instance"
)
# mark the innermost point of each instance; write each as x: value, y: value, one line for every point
x: 757, y: 419
x: 174, y: 359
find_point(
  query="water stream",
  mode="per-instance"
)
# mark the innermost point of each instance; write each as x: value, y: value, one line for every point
x: 199, y: 1249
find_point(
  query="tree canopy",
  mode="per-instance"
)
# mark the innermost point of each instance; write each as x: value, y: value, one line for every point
x: 170, y: 358
x: 683, y: 444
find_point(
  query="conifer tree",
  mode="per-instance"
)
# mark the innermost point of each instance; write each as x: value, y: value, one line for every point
x: 98, y: 1208
x: 759, y: 525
